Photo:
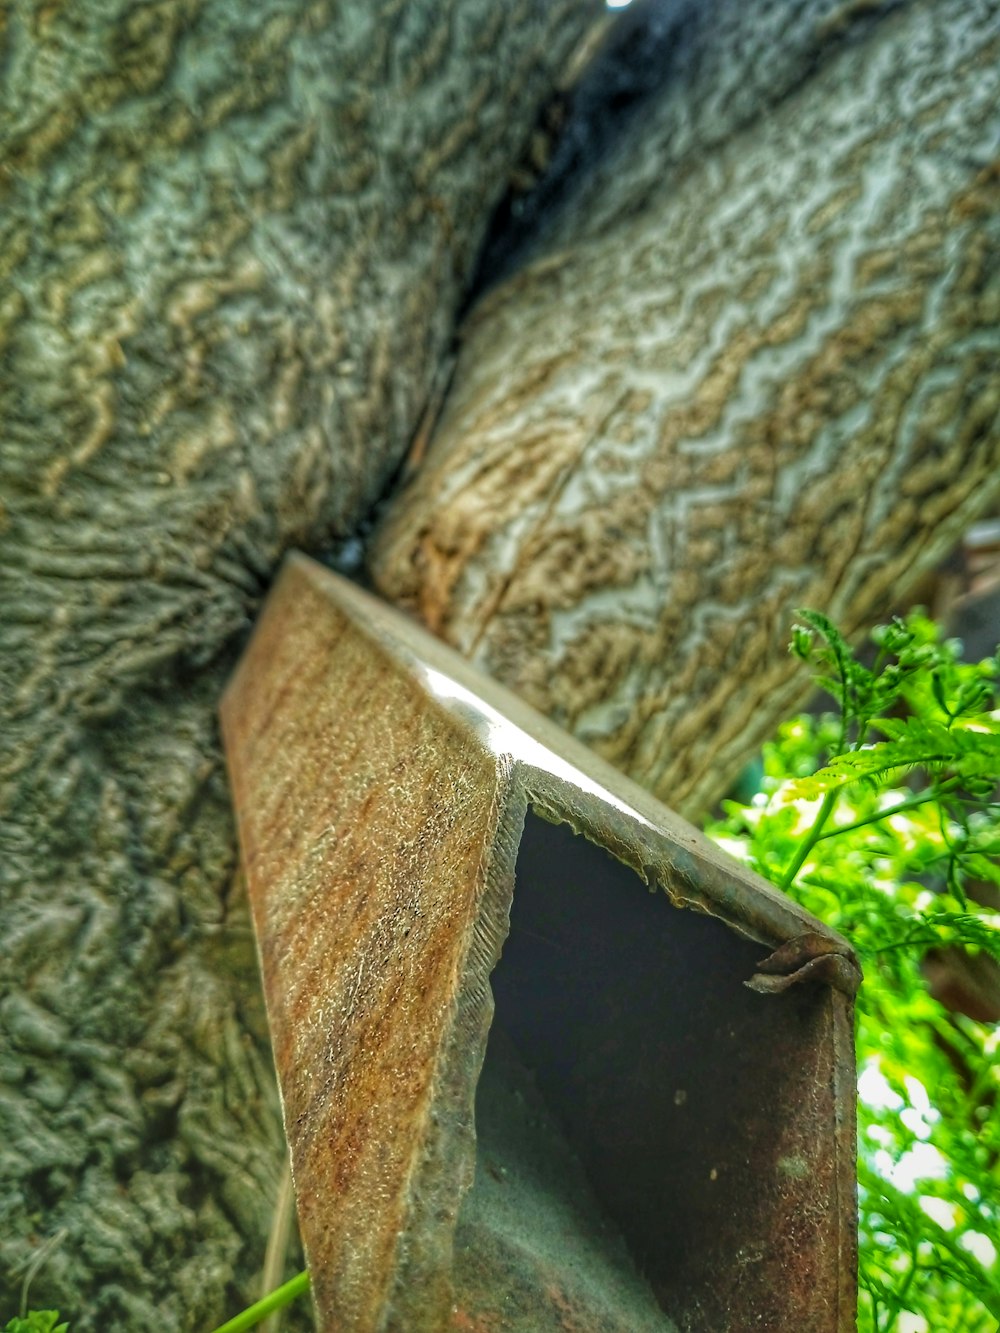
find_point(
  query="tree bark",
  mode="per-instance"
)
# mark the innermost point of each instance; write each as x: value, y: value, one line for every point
x: 233, y: 242
x: 233, y: 239
x: 753, y: 368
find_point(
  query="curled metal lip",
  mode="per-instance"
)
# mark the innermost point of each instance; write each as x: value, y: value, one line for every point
x: 388, y: 797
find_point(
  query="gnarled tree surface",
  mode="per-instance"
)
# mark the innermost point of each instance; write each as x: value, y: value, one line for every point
x: 232, y: 241
x: 753, y: 368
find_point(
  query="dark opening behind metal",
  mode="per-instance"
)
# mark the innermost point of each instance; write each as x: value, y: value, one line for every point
x: 699, y: 1109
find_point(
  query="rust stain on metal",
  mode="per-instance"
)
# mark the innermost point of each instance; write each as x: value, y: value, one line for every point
x: 381, y: 789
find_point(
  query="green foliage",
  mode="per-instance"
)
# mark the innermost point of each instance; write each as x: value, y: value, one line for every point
x: 36, y: 1321
x: 274, y: 1300
x: 882, y: 819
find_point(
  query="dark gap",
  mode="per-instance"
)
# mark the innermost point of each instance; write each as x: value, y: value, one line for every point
x: 627, y: 1109
x: 576, y: 130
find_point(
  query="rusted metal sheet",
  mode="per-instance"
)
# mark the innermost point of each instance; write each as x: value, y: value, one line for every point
x: 666, y: 1115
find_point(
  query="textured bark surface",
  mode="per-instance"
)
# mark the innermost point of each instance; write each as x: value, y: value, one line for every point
x: 232, y: 240
x: 753, y: 369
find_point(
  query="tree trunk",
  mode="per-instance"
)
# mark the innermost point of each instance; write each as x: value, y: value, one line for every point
x: 234, y: 241
x: 754, y: 368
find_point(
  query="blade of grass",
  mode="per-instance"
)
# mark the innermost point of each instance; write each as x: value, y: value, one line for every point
x: 274, y: 1300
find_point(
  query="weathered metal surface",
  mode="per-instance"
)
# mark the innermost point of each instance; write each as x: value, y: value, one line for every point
x: 680, y: 1124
